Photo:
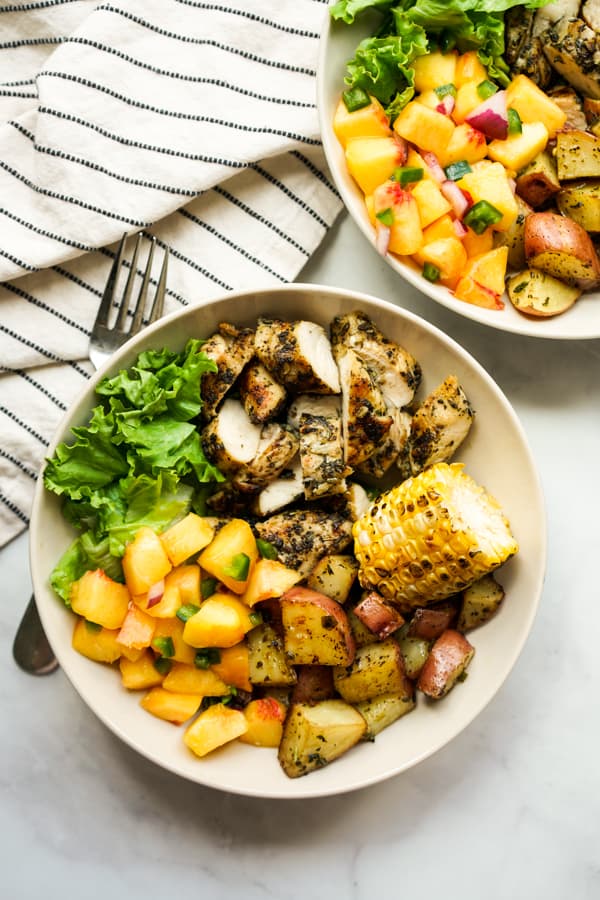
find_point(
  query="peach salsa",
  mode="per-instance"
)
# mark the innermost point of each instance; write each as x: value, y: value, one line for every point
x: 240, y: 563
x: 467, y: 168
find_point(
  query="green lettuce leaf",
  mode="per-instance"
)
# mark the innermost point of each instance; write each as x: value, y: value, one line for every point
x: 139, y: 461
x: 382, y: 64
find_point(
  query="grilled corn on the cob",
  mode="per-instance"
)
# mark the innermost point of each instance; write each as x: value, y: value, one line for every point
x: 430, y: 537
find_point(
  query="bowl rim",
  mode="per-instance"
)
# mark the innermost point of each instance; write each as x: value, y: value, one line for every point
x: 308, y: 789
x: 507, y: 320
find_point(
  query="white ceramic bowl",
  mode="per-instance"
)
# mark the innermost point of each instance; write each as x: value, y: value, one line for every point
x: 337, y: 46
x: 495, y: 453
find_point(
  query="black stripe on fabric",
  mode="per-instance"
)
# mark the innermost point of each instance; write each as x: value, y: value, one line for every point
x: 190, y: 262
x: 179, y: 154
x: 11, y: 93
x: 60, y: 154
x: 262, y: 219
x: 17, y: 261
x: 17, y: 462
x: 176, y: 114
x: 217, y: 7
x: 221, y: 237
x: 49, y: 234
x: 20, y: 82
x: 29, y: 7
x: 204, y: 42
x: 285, y: 189
x: 32, y: 42
x: 316, y: 171
x: 15, y: 289
x: 14, y: 509
x: 40, y: 387
x: 84, y: 284
x: 24, y: 425
x: 66, y: 199
x: 199, y: 79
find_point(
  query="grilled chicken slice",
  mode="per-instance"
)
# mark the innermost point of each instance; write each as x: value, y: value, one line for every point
x: 439, y: 425
x: 573, y: 51
x: 389, y: 450
x: 366, y: 420
x: 302, y: 536
x: 298, y: 354
x: 590, y: 13
x: 277, y: 447
x: 231, y: 349
x: 552, y: 13
x: 282, y: 491
x: 524, y: 51
x: 396, y: 372
x: 231, y: 440
x: 571, y: 105
x: 318, y: 421
x: 261, y: 395
x: 352, y: 503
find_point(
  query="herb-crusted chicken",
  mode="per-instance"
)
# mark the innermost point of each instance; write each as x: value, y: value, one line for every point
x: 230, y: 440
x: 298, y: 354
x: 231, y: 349
x: 394, y: 449
x: 318, y: 421
x: 439, y: 425
x: 573, y: 50
x: 302, y: 536
x: 366, y: 420
x: 396, y: 372
x: 262, y: 396
x: 276, y: 448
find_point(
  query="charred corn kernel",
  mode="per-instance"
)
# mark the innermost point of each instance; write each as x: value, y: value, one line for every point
x: 430, y: 537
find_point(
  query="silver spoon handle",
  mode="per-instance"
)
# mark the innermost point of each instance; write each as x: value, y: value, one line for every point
x: 31, y: 649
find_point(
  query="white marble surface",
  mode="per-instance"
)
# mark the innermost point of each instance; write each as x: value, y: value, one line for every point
x: 509, y: 810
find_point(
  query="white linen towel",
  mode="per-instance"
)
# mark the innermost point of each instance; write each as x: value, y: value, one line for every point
x: 194, y: 122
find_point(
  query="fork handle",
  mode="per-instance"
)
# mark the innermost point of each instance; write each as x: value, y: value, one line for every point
x: 31, y: 649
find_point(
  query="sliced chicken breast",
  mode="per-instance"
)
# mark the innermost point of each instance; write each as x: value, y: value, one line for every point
x: 322, y: 448
x: 231, y: 440
x: 395, y: 443
x: 440, y: 425
x: 284, y: 490
x: 231, y: 349
x: 395, y: 370
x: 303, y: 536
x: 298, y: 355
x: 261, y: 395
x: 276, y: 448
x: 366, y: 421
x: 573, y: 50
x: 590, y: 13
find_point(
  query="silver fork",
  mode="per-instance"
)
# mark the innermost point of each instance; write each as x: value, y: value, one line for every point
x: 31, y: 649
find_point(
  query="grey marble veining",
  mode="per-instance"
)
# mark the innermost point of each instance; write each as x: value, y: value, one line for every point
x: 509, y: 810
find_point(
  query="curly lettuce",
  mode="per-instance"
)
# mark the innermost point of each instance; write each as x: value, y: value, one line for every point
x: 139, y: 460
x: 382, y: 65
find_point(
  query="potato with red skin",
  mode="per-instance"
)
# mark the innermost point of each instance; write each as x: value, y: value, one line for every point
x: 429, y: 623
x: 316, y: 630
x: 380, y: 617
x: 447, y: 660
x: 562, y: 248
x: 315, y: 683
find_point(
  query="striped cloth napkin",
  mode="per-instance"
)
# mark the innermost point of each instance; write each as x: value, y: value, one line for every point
x: 194, y: 122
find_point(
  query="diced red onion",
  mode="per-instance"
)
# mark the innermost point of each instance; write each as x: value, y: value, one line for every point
x: 459, y: 228
x: 155, y: 593
x: 491, y: 117
x: 446, y: 105
x: 455, y: 197
x: 433, y: 164
x: 382, y: 238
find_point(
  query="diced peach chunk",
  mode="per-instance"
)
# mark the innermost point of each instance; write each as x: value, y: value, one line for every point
x: 137, y: 629
x: 269, y: 578
x: 231, y: 556
x: 434, y: 69
x: 425, y: 127
x: 216, y: 726
x: 184, y: 679
x: 483, y: 280
x: 406, y: 234
x: 368, y: 121
x: 99, y: 644
x: 264, y: 718
x: 372, y: 160
x: 187, y: 537
x: 234, y: 668
x: 145, y: 562
x: 99, y: 599
x: 175, y: 708
x: 221, y: 621
x: 141, y: 674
